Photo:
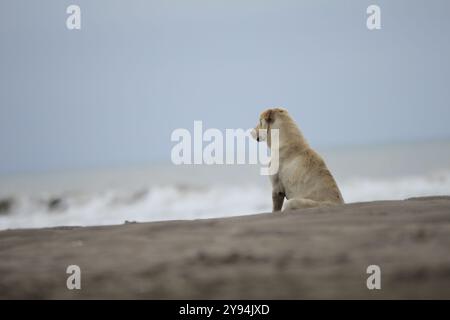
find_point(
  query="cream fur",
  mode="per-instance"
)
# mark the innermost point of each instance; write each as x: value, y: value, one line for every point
x: 303, y: 177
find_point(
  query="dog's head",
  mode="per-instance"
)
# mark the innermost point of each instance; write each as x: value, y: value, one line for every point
x: 267, y: 120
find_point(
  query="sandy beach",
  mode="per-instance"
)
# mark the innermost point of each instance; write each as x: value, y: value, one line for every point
x: 313, y: 253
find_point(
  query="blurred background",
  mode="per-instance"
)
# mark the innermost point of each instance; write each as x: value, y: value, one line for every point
x: 86, y: 115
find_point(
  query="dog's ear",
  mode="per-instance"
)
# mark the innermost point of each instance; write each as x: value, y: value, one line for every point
x: 268, y: 115
x: 280, y: 110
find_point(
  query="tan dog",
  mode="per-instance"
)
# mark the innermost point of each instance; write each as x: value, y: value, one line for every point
x: 302, y: 177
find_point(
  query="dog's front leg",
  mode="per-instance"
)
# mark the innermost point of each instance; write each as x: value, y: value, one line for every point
x: 277, y: 200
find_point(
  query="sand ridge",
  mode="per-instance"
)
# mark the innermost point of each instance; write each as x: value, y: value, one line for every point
x: 310, y: 253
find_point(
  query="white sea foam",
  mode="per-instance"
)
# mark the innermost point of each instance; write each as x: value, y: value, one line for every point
x: 118, y: 206
x: 193, y: 192
x: 191, y: 202
x: 369, y: 189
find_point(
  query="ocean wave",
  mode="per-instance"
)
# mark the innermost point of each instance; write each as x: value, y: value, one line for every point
x: 370, y: 189
x: 117, y: 206
x: 175, y: 202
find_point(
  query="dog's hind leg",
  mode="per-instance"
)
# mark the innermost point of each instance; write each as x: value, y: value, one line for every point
x: 304, y: 203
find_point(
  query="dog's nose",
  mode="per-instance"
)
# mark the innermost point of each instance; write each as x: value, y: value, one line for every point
x: 257, y: 139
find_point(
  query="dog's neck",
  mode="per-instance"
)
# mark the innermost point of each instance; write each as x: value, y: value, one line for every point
x: 290, y: 138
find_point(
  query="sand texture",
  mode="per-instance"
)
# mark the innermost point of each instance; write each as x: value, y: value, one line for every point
x: 313, y: 253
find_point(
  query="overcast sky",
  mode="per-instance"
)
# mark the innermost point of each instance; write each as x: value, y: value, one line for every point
x: 111, y: 93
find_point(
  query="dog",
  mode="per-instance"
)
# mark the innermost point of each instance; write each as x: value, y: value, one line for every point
x: 302, y: 177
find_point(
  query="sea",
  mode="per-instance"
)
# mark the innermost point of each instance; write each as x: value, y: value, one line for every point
x: 159, y: 192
